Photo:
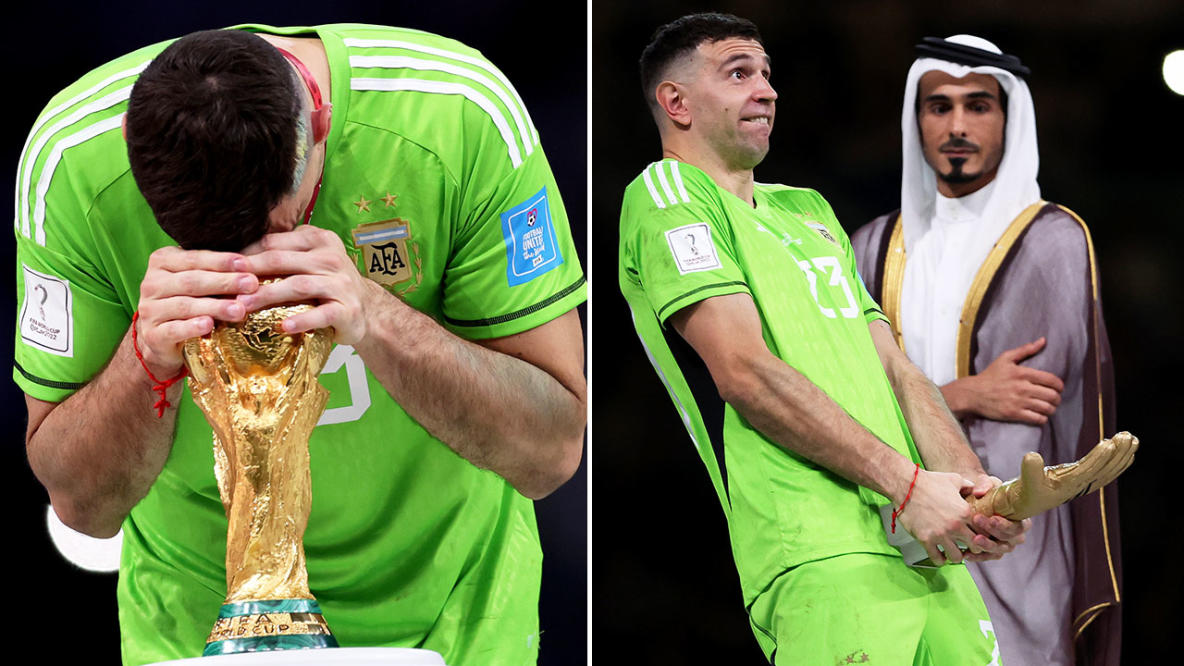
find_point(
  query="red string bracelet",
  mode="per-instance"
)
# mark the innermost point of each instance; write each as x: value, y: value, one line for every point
x: 897, y: 512
x: 160, y: 387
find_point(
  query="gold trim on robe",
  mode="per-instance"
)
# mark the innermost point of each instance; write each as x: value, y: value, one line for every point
x: 982, y: 282
x: 1083, y: 620
x: 893, y: 280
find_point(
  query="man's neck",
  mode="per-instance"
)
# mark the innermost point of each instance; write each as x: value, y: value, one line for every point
x: 957, y: 190
x: 738, y: 182
x: 311, y: 52
x: 965, y: 208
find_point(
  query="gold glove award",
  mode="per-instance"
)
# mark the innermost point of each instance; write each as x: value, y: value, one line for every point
x: 1037, y: 489
x: 258, y: 389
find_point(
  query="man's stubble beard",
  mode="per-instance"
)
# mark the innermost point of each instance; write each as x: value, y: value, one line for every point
x: 747, y: 156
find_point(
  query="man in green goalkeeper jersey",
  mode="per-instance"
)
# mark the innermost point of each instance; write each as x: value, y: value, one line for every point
x: 438, y: 250
x: 824, y: 421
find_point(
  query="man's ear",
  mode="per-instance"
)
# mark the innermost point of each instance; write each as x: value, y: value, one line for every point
x: 123, y: 126
x: 671, y: 97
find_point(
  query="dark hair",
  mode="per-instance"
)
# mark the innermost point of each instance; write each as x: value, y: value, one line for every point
x: 211, y: 137
x: 675, y: 39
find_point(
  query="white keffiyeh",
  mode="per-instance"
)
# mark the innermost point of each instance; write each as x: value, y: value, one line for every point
x: 946, y: 240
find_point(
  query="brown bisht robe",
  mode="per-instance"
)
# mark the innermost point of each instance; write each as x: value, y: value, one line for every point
x: 1045, y: 285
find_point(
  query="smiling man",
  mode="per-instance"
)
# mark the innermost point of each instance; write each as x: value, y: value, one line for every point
x: 393, y: 179
x: 993, y: 292
x: 810, y: 420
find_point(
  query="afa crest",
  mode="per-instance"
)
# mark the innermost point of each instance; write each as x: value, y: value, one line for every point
x: 822, y: 231
x: 389, y: 255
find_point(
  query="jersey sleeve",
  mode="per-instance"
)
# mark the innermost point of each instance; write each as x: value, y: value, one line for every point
x: 69, y: 317
x: 513, y: 264
x: 676, y: 241
x: 871, y: 309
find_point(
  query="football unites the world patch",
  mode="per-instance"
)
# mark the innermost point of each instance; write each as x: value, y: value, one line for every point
x: 693, y: 248
x: 531, y: 246
x: 46, y: 316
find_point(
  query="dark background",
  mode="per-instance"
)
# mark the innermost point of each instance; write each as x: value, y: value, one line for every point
x: 48, y: 46
x: 666, y: 589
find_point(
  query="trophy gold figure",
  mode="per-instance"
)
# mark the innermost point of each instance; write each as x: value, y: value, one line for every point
x: 258, y: 389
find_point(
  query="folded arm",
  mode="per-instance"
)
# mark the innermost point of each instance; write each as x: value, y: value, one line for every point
x: 99, y: 451
x: 1006, y: 390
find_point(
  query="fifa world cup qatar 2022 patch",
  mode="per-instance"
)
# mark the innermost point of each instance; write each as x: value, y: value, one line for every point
x: 531, y: 246
x: 693, y: 248
x: 388, y: 253
x: 47, y: 321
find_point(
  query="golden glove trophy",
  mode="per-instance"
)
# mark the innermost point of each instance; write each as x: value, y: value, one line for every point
x: 1037, y: 489
x: 258, y: 389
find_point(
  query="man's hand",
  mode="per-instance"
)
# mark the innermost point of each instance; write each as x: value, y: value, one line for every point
x: 1007, y: 391
x: 995, y: 536
x: 949, y: 521
x: 182, y: 293
x: 314, y: 268
x: 937, y: 515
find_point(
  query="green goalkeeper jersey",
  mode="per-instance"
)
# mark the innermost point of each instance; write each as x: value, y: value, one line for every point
x: 436, y: 183
x: 684, y: 239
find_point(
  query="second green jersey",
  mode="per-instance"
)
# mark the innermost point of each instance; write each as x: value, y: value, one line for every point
x: 436, y: 183
x: 684, y: 239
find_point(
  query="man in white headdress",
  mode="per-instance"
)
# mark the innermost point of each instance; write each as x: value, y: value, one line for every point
x: 993, y: 292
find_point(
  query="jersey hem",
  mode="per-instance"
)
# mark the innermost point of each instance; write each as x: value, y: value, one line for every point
x: 717, y: 289
x: 530, y: 309
x: 36, y: 386
x: 520, y: 320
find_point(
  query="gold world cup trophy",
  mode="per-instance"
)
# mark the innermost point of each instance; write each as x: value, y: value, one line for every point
x: 259, y: 391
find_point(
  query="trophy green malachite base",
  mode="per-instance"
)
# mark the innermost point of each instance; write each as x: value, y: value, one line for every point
x: 260, y: 626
